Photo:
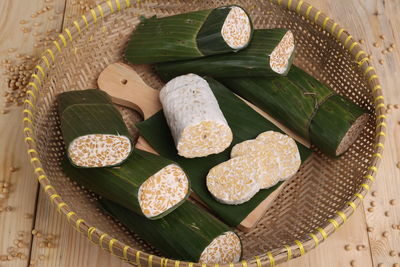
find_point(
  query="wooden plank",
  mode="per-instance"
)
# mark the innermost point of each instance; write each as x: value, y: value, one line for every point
x: 23, y: 184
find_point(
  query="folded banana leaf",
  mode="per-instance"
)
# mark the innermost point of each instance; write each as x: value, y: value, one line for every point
x: 245, y: 124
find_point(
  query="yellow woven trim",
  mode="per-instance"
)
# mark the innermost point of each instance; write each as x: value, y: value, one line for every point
x: 35, y: 159
x: 378, y: 97
x: 69, y: 34
x: 376, y: 88
x: 231, y: 264
x: 150, y: 261
x: 85, y: 20
x: 308, y: 11
x: 317, y: 16
x: 57, y: 45
x: 29, y: 139
x: 361, y: 52
x: 100, y: 8
x: 380, y: 133
x: 69, y: 214
x: 39, y: 170
x: 323, y: 233
x: 37, y: 77
x: 41, y: 177
x: 352, y: 204
x: 32, y: 151
x: 128, y: 4
x: 334, y: 223
x: 125, y: 252
x: 165, y: 262
x: 381, y: 105
x: 203, y: 265
x: 138, y: 258
x: 300, y: 245
x: 76, y: 24
x: 347, y: 40
x: 110, y: 245
x: 373, y: 168
x: 177, y: 263
x: 271, y: 259
x: 94, y: 15
x: 365, y: 186
x: 279, y: 2
x: 46, y: 61
x: 40, y: 69
x: 47, y: 187
x: 118, y: 5
x: 60, y: 205
x: 27, y: 129
x: 342, y: 215
x: 380, y: 145
x: 373, y: 77
x: 78, y: 223
x: 325, y: 22
x: 30, y: 92
x: 244, y: 264
x: 101, y: 239
x: 27, y: 120
x: 333, y: 27
x: 289, y: 252
x: 299, y: 6
x: 28, y: 112
x: 90, y: 232
x: 258, y: 262
x: 382, y: 124
x: 54, y: 196
x: 370, y: 177
x: 359, y: 196
x: 339, y: 33
x: 381, y: 117
x: 289, y: 4
x: 377, y: 155
x: 34, y: 86
x: 51, y: 54
x: 315, y: 239
x: 362, y: 61
x: 64, y: 41
x: 111, y: 6
x: 352, y: 46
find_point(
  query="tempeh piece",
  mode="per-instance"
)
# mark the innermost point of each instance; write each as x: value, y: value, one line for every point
x: 286, y: 148
x: 189, y: 233
x: 147, y: 184
x: 197, y: 124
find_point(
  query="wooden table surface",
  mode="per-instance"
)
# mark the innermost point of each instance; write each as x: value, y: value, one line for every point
x: 27, y: 207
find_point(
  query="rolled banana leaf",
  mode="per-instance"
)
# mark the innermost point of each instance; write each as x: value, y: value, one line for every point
x: 245, y: 124
x: 315, y: 112
x: 189, y: 233
x: 190, y: 35
x: 270, y: 53
x: 147, y: 184
x: 94, y: 132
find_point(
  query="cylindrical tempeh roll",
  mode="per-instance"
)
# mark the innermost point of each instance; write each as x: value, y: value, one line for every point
x: 94, y: 132
x: 190, y: 35
x: 189, y: 233
x: 147, y: 184
x: 197, y: 124
x: 270, y: 53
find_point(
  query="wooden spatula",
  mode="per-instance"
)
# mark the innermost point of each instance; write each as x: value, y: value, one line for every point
x: 126, y: 88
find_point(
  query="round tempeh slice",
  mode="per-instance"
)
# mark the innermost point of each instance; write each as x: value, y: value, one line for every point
x: 251, y: 146
x: 236, y: 29
x: 287, y: 150
x: 99, y: 150
x: 163, y: 190
x: 280, y: 56
x: 197, y: 124
x: 233, y: 181
x: 223, y: 249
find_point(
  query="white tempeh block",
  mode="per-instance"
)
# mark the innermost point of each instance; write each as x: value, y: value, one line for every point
x: 226, y: 248
x: 236, y: 29
x: 193, y: 115
x: 279, y: 59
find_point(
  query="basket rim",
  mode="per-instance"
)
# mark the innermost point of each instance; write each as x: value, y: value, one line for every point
x: 117, y: 248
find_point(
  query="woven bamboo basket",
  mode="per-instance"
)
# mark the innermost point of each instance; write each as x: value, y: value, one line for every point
x: 311, y: 207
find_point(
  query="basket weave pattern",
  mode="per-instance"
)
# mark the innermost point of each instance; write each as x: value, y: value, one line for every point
x: 311, y: 207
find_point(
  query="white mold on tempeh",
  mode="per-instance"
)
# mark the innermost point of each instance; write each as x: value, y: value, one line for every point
x: 280, y: 56
x: 163, y: 190
x: 236, y: 29
x: 99, y: 150
x: 226, y: 248
x: 194, y: 117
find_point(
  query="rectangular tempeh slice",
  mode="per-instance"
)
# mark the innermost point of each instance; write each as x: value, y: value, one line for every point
x: 197, y: 124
